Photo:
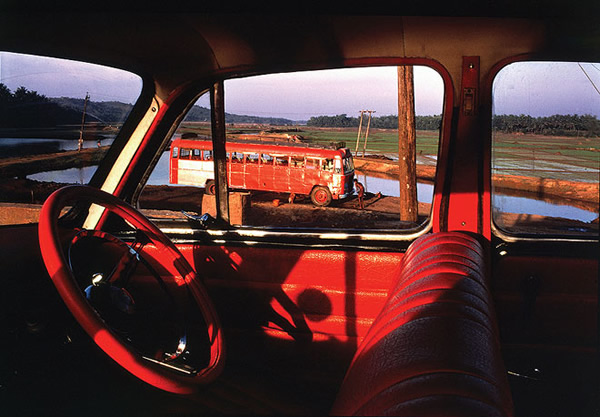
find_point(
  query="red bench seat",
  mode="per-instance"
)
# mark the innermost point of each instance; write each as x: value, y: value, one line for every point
x: 434, y: 348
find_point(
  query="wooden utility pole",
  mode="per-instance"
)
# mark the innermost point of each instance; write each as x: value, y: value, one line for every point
x: 407, y: 155
x: 367, y: 133
x: 359, y: 132
x: 80, y: 143
x: 217, y: 104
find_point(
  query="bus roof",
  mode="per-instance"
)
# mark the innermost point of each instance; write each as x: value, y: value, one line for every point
x: 269, y: 147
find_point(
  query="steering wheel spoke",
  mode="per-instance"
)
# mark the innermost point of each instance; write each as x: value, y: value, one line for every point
x: 131, y: 298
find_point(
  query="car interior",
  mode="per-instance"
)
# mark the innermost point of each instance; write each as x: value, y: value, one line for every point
x: 124, y: 292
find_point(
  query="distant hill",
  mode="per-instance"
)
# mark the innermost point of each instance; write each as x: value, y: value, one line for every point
x: 116, y: 112
x: 96, y: 111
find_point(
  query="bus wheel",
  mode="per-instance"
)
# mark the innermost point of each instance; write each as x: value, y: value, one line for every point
x: 210, y: 187
x: 320, y: 196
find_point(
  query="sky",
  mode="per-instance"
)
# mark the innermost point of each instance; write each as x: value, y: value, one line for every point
x: 64, y: 78
x: 300, y: 95
x: 537, y: 89
x: 547, y: 88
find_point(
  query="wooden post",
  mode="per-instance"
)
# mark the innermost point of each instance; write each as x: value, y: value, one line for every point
x: 407, y: 155
x: 80, y: 142
x: 217, y: 104
x: 367, y: 133
x: 359, y: 132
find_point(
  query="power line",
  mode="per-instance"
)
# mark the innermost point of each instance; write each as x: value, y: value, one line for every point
x: 588, y: 77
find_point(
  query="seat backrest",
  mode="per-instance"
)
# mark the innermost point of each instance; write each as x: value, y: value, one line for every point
x: 434, y: 348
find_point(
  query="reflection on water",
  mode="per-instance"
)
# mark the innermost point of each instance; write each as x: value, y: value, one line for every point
x: 521, y: 205
x: 391, y: 187
x: 67, y: 176
x: 14, y: 147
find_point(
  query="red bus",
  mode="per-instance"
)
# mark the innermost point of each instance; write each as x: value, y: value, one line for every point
x: 325, y: 174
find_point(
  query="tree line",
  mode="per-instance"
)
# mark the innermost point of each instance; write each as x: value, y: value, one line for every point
x: 558, y: 125
x: 25, y: 108
x: 380, y: 122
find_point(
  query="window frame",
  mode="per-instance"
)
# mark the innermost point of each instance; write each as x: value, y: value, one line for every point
x: 369, y: 238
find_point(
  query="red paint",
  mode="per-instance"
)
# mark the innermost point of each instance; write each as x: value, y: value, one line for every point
x: 279, y: 168
x: 169, y: 258
x: 464, y: 198
x: 173, y: 165
x: 330, y: 293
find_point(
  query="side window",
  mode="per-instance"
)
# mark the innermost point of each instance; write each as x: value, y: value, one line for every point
x: 281, y: 161
x: 63, y: 116
x: 546, y: 148
x: 297, y: 162
x: 328, y: 165
x: 313, y: 164
x: 185, y: 153
x: 336, y: 126
x: 196, y: 154
x: 237, y: 158
x: 266, y: 159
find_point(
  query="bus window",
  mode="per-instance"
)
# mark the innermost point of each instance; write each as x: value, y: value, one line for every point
x: 266, y: 159
x: 312, y: 163
x: 297, y: 162
x: 228, y: 156
x: 207, y: 155
x: 196, y: 154
x: 338, y: 167
x: 281, y: 161
x: 328, y: 165
x: 175, y: 152
x: 237, y: 158
x: 252, y: 158
x: 185, y: 153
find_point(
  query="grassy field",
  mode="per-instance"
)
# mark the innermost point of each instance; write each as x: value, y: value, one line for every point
x: 380, y: 141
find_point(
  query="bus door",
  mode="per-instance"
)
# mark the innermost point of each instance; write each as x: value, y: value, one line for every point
x: 281, y: 173
x: 236, y: 170
x: 252, y: 173
x: 266, y: 172
x: 312, y: 172
x: 297, y: 185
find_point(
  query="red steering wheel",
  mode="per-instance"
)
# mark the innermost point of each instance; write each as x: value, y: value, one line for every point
x: 111, y: 304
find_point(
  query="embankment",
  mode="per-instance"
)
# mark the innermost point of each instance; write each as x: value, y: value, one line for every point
x: 540, y: 188
x: 27, y: 165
